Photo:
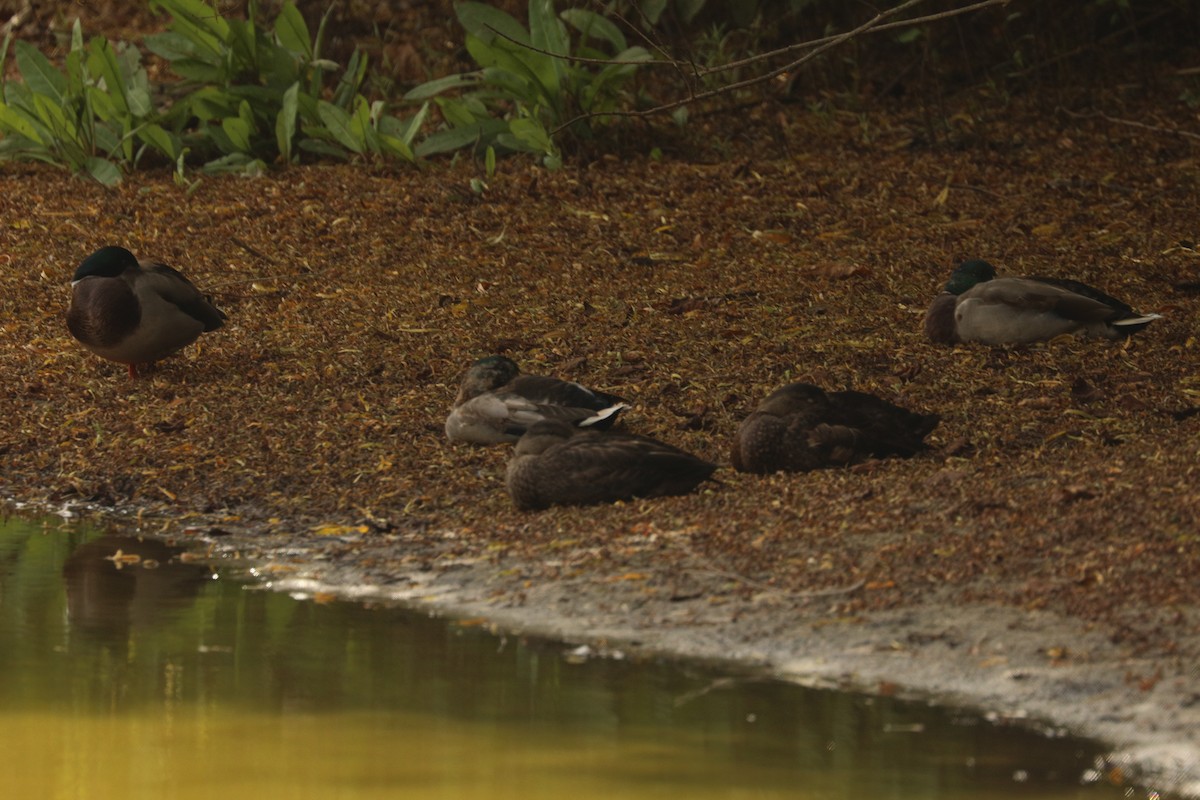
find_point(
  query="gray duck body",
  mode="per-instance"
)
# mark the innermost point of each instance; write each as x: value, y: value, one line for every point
x: 136, y: 312
x: 800, y: 427
x: 557, y: 464
x: 976, y: 306
x: 496, y: 403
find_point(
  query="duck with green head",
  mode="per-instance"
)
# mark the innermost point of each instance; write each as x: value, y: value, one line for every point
x: 497, y: 403
x: 801, y: 427
x: 976, y: 306
x: 136, y: 312
x: 555, y: 463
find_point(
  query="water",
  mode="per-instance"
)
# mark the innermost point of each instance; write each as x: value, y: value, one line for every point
x: 127, y: 673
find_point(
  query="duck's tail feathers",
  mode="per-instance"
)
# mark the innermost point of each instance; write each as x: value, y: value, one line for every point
x: 1131, y: 325
x: 604, y: 418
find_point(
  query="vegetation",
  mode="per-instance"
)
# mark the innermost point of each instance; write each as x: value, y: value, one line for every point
x: 251, y: 96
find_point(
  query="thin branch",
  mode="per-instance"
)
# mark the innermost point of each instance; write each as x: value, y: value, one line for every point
x: 819, y: 46
x: 1131, y: 123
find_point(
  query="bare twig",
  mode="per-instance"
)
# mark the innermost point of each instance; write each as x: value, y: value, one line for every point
x: 1131, y: 123
x: 818, y: 47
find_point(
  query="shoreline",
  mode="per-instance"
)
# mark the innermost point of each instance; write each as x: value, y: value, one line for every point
x: 1035, y: 667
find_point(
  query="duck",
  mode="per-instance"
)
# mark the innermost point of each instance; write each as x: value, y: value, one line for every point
x: 496, y: 403
x: 135, y: 312
x: 977, y: 306
x: 555, y: 463
x: 801, y: 427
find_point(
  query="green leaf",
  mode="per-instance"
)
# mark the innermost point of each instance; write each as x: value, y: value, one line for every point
x: 76, y: 36
x: 531, y: 133
x: 489, y: 161
x: 103, y: 64
x: 285, y: 123
x: 165, y: 143
x: 242, y: 43
x: 104, y: 171
x: 337, y: 122
x: 590, y: 24
x: 238, y: 131
x: 323, y: 147
x: 175, y: 46
x: 458, y: 138
x: 395, y: 146
x: 39, y: 74
x: 483, y: 21
x: 347, y: 88
x: 439, y: 85
x: 292, y: 31
x: 17, y: 122
x: 360, y: 123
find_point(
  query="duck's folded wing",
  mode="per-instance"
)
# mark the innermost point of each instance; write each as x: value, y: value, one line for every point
x: 172, y: 286
x: 544, y: 389
x: 1024, y: 295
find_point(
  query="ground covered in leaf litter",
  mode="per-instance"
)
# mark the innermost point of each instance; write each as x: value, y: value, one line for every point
x: 1043, y: 555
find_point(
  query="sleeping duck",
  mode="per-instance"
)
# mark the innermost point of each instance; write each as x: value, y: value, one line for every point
x: 496, y: 403
x: 976, y: 306
x: 136, y: 313
x: 801, y: 427
x: 555, y: 463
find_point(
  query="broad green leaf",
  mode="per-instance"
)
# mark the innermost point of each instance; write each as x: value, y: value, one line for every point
x: 76, y: 74
x: 360, y: 121
x: 591, y: 24
x: 292, y: 32
x: 458, y: 138
x: 139, y: 102
x: 39, y: 74
x: 101, y: 103
x: 17, y: 122
x: 61, y: 127
x: 197, y: 13
x: 652, y: 10
x: 242, y: 44
x: 455, y: 112
x: 337, y: 122
x: 413, y: 126
x: 545, y: 30
x: 489, y: 161
x: 160, y: 140
x: 439, y: 85
x: 395, y: 146
x: 104, y: 171
x: 351, y: 80
x: 483, y: 21
x: 102, y: 63
x: 211, y: 103
x: 238, y: 132
x: 175, y: 46
x: 533, y: 134
x: 285, y: 123
x: 323, y: 147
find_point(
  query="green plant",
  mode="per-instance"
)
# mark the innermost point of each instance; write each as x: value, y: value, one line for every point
x: 254, y: 95
x: 249, y: 95
x: 530, y: 84
x: 93, y: 115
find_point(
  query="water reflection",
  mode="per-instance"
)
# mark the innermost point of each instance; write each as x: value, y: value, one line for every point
x: 116, y: 582
x: 130, y: 677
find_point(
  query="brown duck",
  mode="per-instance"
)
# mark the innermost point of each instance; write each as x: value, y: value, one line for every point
x: 555, y: 463
x: 801, y: 427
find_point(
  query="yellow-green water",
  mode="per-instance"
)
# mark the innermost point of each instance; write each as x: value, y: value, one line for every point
x: 131, y: 679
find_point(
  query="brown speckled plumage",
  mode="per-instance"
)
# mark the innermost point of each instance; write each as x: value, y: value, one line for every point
x: 800, y: 427
x: 556, y: 464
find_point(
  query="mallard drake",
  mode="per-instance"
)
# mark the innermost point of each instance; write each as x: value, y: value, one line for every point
x: 555, y: 463
x: 136, y: 312
x: 801, y: 427
x: 976, y: 306
x: 496, y: 403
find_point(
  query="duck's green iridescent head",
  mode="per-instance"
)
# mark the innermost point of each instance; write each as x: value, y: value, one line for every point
x: 107, y: 262
x: 968, y: 274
